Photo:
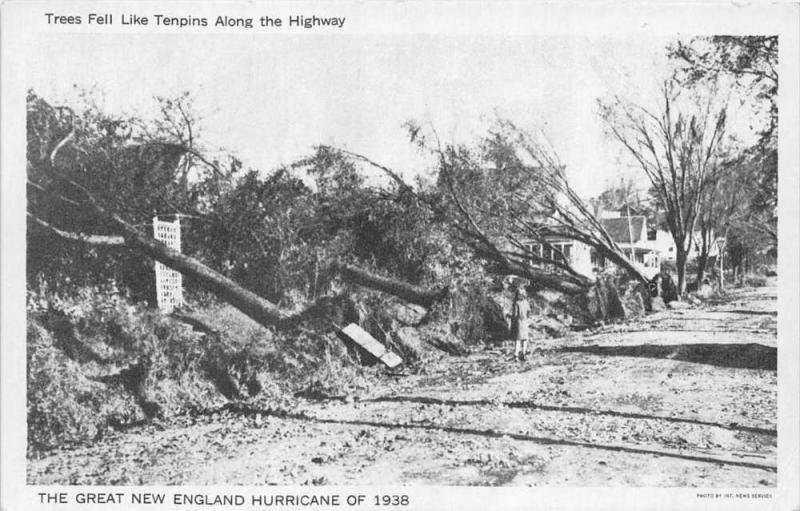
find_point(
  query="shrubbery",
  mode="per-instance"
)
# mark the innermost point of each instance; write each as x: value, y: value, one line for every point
x: 96, y: 360
x: 64, y: 405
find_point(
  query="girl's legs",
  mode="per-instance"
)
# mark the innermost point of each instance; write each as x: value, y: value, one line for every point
x: 521, y: 349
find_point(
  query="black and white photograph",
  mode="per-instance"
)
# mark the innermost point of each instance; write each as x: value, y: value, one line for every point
x: 269, y: 247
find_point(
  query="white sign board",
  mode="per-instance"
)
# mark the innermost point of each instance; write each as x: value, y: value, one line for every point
x: 361, y: 337
x: 169, y: 283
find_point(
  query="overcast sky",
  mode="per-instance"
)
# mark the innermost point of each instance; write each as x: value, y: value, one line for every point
x: 270, y: 99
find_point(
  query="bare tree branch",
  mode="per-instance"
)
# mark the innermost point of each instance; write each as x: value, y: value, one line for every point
x: 60, y: 145
x: 52, y: 193
x: 91, y: 239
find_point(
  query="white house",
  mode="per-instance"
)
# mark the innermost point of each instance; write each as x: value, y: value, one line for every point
x: 630, y: 233
x: 577, y: 254
x: 646, y: 247
x: 666, y: 246
x: 659, y: 240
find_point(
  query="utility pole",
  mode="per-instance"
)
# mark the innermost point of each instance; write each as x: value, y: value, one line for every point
x: 631, y: 254
x: 721, y: 249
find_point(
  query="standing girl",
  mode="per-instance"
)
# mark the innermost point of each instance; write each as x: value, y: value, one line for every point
x: 520, y: 323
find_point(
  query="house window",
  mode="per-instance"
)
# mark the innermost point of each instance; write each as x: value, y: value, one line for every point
x: 566, y: 249
x: 553, y: 251
x: 562, y: 252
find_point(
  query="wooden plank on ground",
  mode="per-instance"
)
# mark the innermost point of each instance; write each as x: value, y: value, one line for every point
x: 357, y: 335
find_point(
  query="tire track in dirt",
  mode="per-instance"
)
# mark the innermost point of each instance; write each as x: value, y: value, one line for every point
x: 569, y: 409
x: 244, y: 410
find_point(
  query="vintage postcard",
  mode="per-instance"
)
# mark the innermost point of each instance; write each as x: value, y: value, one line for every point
x: 400, y: 255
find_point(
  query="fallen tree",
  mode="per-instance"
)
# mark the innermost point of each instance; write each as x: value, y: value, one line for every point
x: 59, y: 179
x: 261, y: 310
x: 78, y: 169
x: 127, y: 235
x: 540, y: 205
x: 509, y: 195
x: 417, y: 295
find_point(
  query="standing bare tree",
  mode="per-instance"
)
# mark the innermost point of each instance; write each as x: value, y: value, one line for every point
x: 678, y: 146
x: 751, y: 64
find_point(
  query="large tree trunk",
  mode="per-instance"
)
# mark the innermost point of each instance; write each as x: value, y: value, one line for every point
x: 702, y: 263
x: 680, y: 263
x: 261, y: 310
x: 702, y: 260
x: 403, y: 290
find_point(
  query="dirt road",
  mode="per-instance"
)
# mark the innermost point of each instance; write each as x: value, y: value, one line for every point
x: 685, y: 397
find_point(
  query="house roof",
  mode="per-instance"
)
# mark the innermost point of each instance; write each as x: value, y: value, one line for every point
x: 620, y: 231
x: 625, y: 209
